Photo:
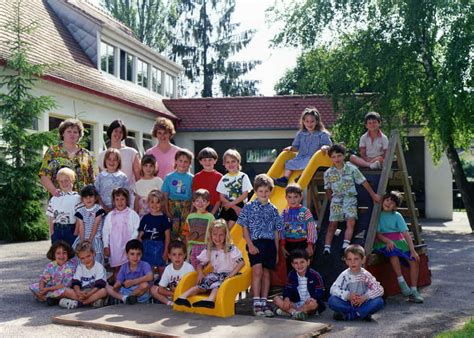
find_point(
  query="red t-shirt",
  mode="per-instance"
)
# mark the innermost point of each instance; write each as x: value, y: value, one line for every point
x: 208, y: 180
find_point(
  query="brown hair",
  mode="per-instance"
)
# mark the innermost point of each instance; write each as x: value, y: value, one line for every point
x: 163, y: 123
x: 148, y: 159
x: 70, y: 123
x: 109, y: 152
x: 59, y: 244
x: 263, y: 180
x: 312, y: 111
x: 117, y: 124
x: 395, y: 196
x: 337, y: 148
x: 184, y: 152
x: 293, y: 188
x: 121, y: 192
x: 177, y: 244
x: 207, y: 152
x: 372, y: 116
x: 355, y: 249
x: 202, y: 193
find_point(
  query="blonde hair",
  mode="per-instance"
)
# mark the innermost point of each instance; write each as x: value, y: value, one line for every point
x: 217, y: 224
x: 159, y: 195
x: 67, y: 172
x: 70, y: 123
x: 234, y: 154
x: 109, y: 152
x: 84, y: 246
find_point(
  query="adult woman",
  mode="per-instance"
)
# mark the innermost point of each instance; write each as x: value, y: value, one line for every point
x: 68, y: 153
x: 164, y: 151
x: 117, y: 132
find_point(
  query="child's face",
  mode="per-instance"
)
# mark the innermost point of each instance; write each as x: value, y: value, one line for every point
x: 177, y: 257
x: 231, y: 164
x: 389, y: 205
x: 155, y: 205
x: 354, y: 262
x: 117, y: 134
x: 87, y: 258
x: 134, y: 256
x: 65, y: 183
x: 60, y: 256
x: 218, y: 237
x: 337, y: 159
x: 372, y: 125
x: 293, y: 199
x: 310, y: 122
x: 89, y: 201
x: 300, y: 265
x: 263, y: 194
x: 120, y: 202
x: 148, y: 170
x: 112, y: 163
x: 200, y: 204
x: 182, y: 164
x: 208, y: 163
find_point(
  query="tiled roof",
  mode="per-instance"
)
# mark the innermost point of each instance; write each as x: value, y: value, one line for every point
x: 247, y: 113
x: 51, y: 42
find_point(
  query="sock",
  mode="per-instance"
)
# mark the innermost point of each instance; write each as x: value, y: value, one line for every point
x: 256, y: 301
x: 170, y: 303
x: 327, y: 247
x: 124, y: 299
x: 400, y: 279
x: 346, y: 243
x: 413, y: 288
x: 263, y: 301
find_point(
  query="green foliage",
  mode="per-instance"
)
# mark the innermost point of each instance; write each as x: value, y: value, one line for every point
x: 20, y: 193
x: 466, y: 331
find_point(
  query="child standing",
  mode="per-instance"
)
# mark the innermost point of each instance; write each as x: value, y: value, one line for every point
x: 261, y: 223
x: 208, y: 178
x: 394, y: 241
x: 177, y: 186
x: 196, y: 225
x: 355, y: 294
x: 339, y: 182
x: 311, y: 137
x: 299, y: 226
x: 148, y: 182
x: 226, y: 260
x: 134, y: 278
x: 164, y: 291
x: 154, y: 231
x: 61, y: 208
x: 110, y: 178
x: 88, y: 283
x: 57, y: 276
x: 373, y: 145
x: 90, y: 218
x: 120, y: 226
x: 233, y: 187
x: 304, y: 290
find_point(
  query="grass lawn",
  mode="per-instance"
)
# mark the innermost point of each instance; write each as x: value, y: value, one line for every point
x: 466, y: 331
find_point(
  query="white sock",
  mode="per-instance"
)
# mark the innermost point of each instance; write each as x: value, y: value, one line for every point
x: 124, y: 298
x: 346, y: 243
x: 263, y: 301
x: 256, y: 301
x: 327, y: 247
x: 400, y: 279
x: 413, y: 288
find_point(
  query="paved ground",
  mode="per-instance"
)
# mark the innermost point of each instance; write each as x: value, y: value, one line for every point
x: 449, y: 300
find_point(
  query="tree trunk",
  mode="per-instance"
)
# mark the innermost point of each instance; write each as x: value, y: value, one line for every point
x: 461, y: 182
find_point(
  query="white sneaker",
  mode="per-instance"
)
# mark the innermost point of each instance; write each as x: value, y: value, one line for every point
x: 68, y: 303
x: 99, y: 303
x: 375, y: 165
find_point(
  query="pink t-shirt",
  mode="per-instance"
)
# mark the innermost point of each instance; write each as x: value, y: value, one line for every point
x: 165, y: 160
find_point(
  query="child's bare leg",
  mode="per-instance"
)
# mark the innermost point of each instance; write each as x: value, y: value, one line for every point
x: 141, y: 289
x: 212, y: 296
x: 414, y: 272
x: 113, y: 293
x: 287, y: 173
x: 395, y: 262
x: 69, y: 293
x: 284, y: 304
x: 265, y: 283
x: 257, y: 274
x: 350, y: 224
x: 101, y: 293
x: 191, y: 292
x: 359, y: 161
x: 308, y: 306
x: 330, y: 233
x: 157, y: 295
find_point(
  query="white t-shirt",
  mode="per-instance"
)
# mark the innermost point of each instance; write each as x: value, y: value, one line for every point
x: 143, y: 187
x: 89, y: 277
x: 375, y: 147
x: 221, y: 261
x: 63, y: 207
x: 232, y: 186
x: 127, y: 155
x: 171, y: 277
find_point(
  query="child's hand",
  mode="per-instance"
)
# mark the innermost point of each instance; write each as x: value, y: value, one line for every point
x: 324, y: 149
x: 286, y: 305
x: 200, y: 277
x: 284, y: 252
x: 376, y: 198
x: 128, y: 283
x: 310, y: 251
x: 107, y: 252
x: 287, y: 148
x: 415, y: 255
x: 390, y: 245
x: 253, y: 249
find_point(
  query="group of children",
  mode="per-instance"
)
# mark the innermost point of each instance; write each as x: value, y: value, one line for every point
x: 137, y: 243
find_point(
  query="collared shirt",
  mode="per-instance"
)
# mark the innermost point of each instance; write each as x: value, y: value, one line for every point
x: 62, y: 208
x: 374, y: 146
x: 342, y: 181
x: 261, y: 220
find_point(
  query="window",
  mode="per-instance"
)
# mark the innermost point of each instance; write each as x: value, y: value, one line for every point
x: 169, y: 85
x: 261, y: 155
x: 147, y: 141
x: 126, y: 66
x: 142, y: 73
x: 156, y: 80
x: 107, y: 57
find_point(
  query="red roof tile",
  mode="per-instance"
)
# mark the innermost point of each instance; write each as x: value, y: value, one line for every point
x: 247, y: 113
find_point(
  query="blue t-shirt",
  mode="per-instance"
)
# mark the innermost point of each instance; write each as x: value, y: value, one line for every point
x: 261, y: 220
x: 126, y: 274
x: 154, y: 227
x: 178, y: 186
x: 391, y: 222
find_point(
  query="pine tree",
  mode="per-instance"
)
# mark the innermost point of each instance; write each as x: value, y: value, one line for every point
x: 21, y: 196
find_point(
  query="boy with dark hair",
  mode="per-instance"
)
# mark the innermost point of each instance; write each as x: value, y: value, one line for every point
x: 339, y: 182
x: 134, y: 278
x: 355, y: 294
x: 208, y: 178
x: 373, y: 145
x: 261, y: 223
x: 173, y: 273
x: 303, y: 291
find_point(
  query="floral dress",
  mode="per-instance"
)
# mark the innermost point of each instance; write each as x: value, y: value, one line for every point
x: 55, y: 274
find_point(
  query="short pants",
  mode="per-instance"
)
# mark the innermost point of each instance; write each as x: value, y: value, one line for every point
x: 343, y: 208
x: 267, y: 253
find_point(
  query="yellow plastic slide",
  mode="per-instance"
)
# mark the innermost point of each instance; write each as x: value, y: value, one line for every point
x: 225, y: 301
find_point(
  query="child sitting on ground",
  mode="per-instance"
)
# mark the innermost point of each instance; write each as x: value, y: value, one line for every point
x: 303, y: 292
x: 145, y: 184
x: 57, y: 275
x: 226, y: 261
x: 233, y: 187
x: 261, y: 223
x: 299, y: 226
x: 208, y: 178
x: 196, y: 225
x: 88, y: 283
x: 134, y: 278
x: 339, y: 182
x: 61, y: 208
x: 355, y: 294
x: 373, y: 145
x: 394, y: 241
x: 164, y: 291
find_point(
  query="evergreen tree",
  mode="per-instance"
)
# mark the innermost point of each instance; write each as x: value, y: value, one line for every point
x: 21, y: 196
